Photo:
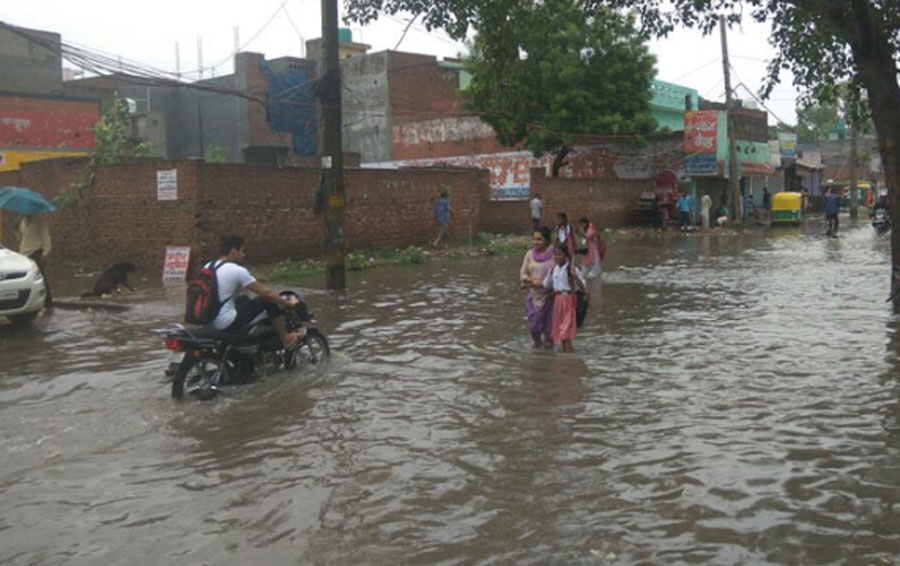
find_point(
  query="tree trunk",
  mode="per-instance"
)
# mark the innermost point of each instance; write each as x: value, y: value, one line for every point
x: 874, y: 60
x: 559, y: 160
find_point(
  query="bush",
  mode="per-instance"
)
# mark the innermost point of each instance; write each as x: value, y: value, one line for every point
x: 289, y: 270
x: 358, y: 260
x: 412, y: 254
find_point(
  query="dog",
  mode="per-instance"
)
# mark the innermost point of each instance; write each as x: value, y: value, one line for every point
x: 112, y: 278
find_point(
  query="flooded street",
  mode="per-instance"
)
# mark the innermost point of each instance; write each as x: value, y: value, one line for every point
x: 731, y: 400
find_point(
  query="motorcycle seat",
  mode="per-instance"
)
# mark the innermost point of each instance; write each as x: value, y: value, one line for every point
x: 217, y: 335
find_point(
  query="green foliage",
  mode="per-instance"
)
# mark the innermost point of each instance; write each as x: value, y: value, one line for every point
x: 292, y: 270
x: 112, y: 135
x: 841, y: 104
x: 814, y: 121
x: 358, y: 260
x: 215, y: 154
x: 412, y: 255
x: 550, y: 74
x: 113, y: 144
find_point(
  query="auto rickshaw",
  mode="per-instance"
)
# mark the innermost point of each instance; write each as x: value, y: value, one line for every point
x: 787, y: 208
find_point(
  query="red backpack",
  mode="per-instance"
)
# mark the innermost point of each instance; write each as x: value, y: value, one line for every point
x: 202, y: 303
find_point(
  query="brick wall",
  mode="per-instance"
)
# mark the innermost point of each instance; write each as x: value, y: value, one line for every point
x: 121, y: 218
x: 427, y: 114
x: 607, y: 202
x: 506, y: 216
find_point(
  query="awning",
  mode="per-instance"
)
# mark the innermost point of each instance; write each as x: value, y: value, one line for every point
x: 752, y: 168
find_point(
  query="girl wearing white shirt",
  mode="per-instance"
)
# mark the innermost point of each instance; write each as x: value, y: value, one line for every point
x: 563, y: 280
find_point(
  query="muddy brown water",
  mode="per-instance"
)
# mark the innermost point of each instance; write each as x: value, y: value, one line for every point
x: 732, y: 400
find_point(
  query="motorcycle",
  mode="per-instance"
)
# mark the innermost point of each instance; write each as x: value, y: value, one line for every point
x: 881, y: 221
x: 213, y: 359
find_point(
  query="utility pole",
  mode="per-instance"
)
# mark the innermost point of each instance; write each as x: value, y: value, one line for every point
x: 332, y: 176
x: 854, y: 191
x: 200, y: 55
x: 734, y: 178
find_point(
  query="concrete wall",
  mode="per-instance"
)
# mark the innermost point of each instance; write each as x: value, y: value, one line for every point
x: 30, y: 65
x: 366, y: 116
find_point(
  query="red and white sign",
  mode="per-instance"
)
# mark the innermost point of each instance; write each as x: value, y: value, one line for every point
x: 175, y: 266
x: 700, y: 131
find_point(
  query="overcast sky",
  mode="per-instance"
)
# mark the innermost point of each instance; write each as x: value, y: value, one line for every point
x: 147, y: 33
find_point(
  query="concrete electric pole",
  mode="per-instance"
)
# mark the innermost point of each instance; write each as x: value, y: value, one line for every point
x: 854, y: 154
x: 332, y: 176
x: 734, y: 179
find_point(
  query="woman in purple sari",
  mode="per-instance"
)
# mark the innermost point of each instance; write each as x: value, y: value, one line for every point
x: 537, y: 263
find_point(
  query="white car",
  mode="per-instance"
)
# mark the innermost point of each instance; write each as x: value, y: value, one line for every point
x: 21, y: 287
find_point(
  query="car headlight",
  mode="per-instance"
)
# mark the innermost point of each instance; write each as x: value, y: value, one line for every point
x: 36, y: 272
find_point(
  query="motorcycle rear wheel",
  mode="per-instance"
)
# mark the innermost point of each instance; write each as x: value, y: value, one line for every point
x: 198, y: 376
x: 313, y: 351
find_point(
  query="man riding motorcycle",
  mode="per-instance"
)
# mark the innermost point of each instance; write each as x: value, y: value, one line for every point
x: 238, y: 311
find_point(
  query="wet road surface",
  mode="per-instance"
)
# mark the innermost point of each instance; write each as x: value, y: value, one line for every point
x: 732, y: 400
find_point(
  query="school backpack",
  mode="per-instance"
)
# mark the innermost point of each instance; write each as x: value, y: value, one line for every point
x: 582, y: 302
x: 202, y: 299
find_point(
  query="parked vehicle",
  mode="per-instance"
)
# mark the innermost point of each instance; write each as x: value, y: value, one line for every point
x: 213, y: 360
x: 881, y: 221
x: 787, y: 208
x: 21, y: 287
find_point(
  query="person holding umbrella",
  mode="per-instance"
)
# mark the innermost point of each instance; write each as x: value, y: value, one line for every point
x: 35, y: 243
x: 34, y: 233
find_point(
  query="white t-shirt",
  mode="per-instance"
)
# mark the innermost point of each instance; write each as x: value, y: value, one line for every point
x: 536, y: 206
x: 557, y: 279
x: 231, y: 278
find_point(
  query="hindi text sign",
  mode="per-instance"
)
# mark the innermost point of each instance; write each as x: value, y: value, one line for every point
x: 175, y: 266
x: 700, y: 131
x: 167, y: 184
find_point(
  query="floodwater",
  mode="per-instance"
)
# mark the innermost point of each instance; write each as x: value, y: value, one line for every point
x: 732, y: 400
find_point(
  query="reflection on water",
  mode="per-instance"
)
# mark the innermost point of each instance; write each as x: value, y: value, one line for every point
x: 732, y: 400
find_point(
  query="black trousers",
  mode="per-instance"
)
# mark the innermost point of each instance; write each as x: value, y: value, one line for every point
x: 248, y: 309
x: 836, y: 221
x: 38, y: 258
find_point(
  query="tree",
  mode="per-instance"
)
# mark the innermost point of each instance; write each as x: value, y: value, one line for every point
x: 112, y: 135
x: 815, y: 120
x: 113, y: 143
x: 547, y: 76
x: 214, y: 153
x: 822, y: 42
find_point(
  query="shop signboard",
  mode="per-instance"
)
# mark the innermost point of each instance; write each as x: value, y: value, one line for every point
x: 700, y: 131
x: 787, y: 142
x: 701, y: 164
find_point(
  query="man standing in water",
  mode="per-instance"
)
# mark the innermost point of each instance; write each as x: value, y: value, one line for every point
x: 685, y: 205
x: 442, y: 216
x: 705, y: 209
x: 536, y: 205
x: 832, y: 207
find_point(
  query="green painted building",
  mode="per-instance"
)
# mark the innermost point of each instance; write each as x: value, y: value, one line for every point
x: 668, y: 104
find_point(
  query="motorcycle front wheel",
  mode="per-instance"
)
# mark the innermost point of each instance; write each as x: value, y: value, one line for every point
x: 313, y: 350
x: 198, y: 376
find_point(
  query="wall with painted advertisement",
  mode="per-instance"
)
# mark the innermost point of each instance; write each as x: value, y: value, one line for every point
x: 510, y: 172
x: 11, y: 160
x: 34, y: 127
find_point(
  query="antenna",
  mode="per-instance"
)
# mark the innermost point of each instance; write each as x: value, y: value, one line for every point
x: 200, y: 54
x: 177, y: 61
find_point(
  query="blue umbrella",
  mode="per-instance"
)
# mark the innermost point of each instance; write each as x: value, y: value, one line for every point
x: 25, y: 201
